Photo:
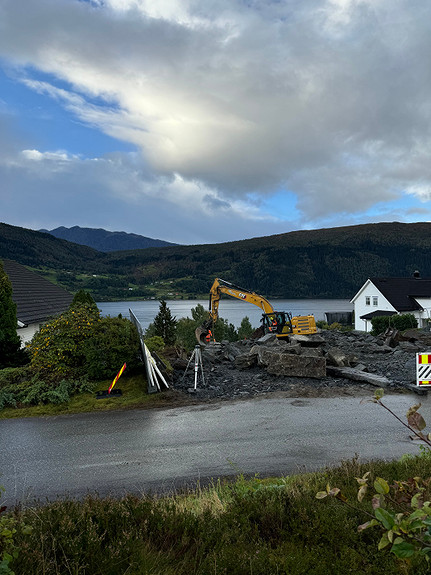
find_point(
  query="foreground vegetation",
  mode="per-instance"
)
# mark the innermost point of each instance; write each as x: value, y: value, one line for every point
x: 255, y: 526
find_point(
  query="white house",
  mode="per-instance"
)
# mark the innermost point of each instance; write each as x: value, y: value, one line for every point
x: 389, y: 296
x: 37, y: 299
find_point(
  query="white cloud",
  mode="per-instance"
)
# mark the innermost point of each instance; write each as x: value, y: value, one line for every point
x: 326, y: 98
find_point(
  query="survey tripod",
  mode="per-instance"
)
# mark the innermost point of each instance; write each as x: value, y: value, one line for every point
x: 198, y: 365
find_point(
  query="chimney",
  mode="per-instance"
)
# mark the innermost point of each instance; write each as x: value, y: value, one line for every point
x: 417, y: 275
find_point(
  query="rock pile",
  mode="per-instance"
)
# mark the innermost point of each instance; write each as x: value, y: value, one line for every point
x: 325, y: 364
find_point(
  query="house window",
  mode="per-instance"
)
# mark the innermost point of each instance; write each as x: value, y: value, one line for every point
x: 367, y: 300
x: 375, y: 300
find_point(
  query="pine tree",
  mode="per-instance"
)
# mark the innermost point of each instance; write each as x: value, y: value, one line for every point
x: 245, y: 330
x: 165, y: 325
x: 10, y: 342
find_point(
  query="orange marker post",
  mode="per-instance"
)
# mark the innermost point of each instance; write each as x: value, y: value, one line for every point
x: 117, y: 377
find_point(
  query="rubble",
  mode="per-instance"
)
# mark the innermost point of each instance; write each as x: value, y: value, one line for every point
x: 326, y: 364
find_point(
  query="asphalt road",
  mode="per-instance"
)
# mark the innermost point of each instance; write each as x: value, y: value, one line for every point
x: 162, y: 450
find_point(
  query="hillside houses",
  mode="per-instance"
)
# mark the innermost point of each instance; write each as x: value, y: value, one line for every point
x: 36, y: 298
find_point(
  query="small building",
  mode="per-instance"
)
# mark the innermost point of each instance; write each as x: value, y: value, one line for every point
x: 389, y: 296
x: 37, y: 299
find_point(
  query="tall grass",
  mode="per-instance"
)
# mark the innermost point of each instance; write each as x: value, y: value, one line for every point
x: 250, y: 526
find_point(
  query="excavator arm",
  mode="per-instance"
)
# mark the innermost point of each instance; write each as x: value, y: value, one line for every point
x: 278, y: 322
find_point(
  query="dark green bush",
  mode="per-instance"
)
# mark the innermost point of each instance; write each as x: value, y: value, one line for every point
x: 114, y: 341
x: 398, y: 321
x: 36, y: 391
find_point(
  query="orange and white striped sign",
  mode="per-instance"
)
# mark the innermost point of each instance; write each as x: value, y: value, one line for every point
x: 423, y: 369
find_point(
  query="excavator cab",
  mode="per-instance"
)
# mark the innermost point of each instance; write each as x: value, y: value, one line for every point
x: 278, y: 323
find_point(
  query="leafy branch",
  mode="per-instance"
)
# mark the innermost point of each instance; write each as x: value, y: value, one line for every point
x: 398, y: 509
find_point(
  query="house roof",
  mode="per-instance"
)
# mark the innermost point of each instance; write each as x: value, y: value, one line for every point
x: 36, y: 298
x: 377, y: 313
x: 402, y: 292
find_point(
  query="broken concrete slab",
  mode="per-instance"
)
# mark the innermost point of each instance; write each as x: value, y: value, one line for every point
x: 269, y: 338
x: 278, y: 363
x: 312, y: 340
x: 357, y: 375
x: 336, y: 357
x: 246, y: 361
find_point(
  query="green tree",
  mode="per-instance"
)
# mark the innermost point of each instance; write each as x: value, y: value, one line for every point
x: 11, y: 353
x: 186, y: 333
x: 83, y: 297
x: 245, y: 329
x: 165, y: 325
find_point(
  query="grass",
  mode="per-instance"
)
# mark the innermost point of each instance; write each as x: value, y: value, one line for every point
x: 246, y: 527
x: 134, y: 395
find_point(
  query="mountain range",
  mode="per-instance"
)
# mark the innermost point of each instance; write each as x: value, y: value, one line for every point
x: 326, y: 263
x: 105, y: 241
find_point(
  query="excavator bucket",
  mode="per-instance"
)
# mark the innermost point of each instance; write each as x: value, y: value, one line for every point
x: 201, y: 334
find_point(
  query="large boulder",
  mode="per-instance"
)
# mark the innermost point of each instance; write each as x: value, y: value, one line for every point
x: 290, y: 365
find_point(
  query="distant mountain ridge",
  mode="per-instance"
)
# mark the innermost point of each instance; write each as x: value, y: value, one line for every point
x: 104, y: 240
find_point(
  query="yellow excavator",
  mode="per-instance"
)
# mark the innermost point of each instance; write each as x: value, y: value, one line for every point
x: 280, y: 323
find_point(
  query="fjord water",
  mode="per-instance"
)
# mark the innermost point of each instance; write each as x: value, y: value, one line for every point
x: 231, y: 310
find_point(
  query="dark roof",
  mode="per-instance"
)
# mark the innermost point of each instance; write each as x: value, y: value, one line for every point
x: 36, y: 298
x: 401, y: 292
x: 377, y: 313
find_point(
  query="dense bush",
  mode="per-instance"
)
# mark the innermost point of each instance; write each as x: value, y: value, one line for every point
x: 67, y: 353
x: 34, y: 391
x: 59, y: 347
x: 400, y: 322
x: 114, y: 341
x: 80, y: 343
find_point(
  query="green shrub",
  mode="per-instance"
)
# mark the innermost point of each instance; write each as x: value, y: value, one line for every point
x: 80, y: 343
x: 36, y: 391
x: 114, y: 341
x: 14, y: 375
x: 155, y: 343
x: 59, y: 347
x: 400, y: 322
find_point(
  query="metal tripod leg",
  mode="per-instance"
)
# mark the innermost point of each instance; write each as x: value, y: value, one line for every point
x: 197, y: 357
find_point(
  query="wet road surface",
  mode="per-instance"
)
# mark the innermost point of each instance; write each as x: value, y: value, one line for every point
x: 161, y: 450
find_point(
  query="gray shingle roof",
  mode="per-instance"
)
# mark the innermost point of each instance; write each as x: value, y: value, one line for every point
x: 400, y: 292
x: 36, y: 298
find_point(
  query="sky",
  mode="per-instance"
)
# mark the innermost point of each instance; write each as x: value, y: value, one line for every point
x: 207, y: 121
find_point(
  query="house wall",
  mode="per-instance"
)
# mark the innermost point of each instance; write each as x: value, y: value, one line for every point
x: 26, y: 333
x: 425, y: 315
x: 367, y: 300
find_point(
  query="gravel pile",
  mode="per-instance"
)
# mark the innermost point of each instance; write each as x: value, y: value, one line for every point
x: 383, y: 356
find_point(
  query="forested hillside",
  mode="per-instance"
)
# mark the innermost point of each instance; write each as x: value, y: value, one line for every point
x: 326, y: 263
